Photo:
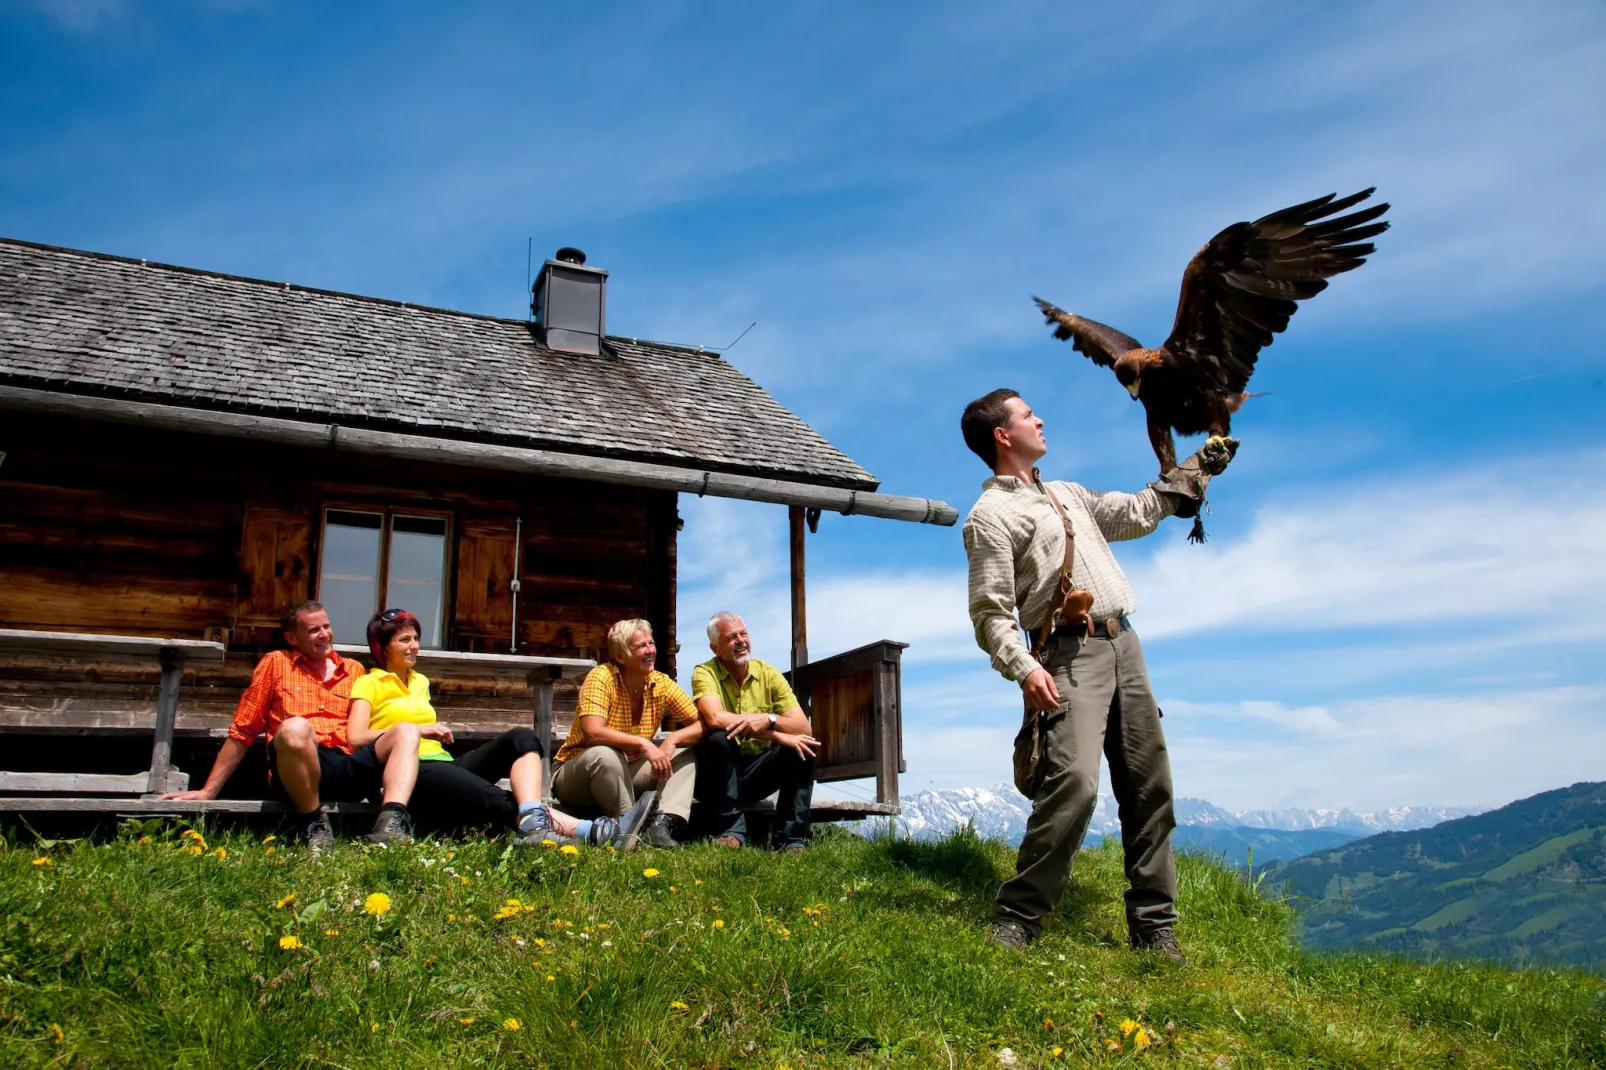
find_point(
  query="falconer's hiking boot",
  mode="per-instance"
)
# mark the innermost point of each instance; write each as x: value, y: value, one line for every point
x: 1010, y: 934
x: 318, y: 835
x: 1162, y: 942
x: 622, y: 833
x: 662, y: 831
x: 392, y: 826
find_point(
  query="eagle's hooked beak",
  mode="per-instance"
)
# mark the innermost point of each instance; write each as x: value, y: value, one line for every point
x: 1133, y: 389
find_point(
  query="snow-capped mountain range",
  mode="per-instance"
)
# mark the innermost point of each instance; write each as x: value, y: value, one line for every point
x: 999, y: 812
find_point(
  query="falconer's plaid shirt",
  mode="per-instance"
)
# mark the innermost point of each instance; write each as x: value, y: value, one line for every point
x: 1016, y: 546
x: 603, y: 695
x: 285, y: 684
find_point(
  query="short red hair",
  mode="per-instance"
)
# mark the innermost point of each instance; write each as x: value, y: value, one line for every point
x: 383, y: 628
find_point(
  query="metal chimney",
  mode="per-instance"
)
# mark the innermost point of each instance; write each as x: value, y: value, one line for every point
x: 569, y: 303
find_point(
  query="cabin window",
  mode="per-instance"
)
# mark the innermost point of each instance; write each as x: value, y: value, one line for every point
x: 400, y: 555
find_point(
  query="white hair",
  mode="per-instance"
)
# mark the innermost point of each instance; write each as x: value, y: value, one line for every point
x: 724, y: 616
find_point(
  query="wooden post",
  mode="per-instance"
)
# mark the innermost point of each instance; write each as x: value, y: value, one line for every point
x: 887, y: 725
x: 166, y: 718
x: 542, y: 682
x: 800, y: 622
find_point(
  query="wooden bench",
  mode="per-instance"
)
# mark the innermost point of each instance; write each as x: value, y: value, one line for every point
x: 854, y: 698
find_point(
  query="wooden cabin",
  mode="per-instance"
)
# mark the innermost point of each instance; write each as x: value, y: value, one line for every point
x: 182, y: 453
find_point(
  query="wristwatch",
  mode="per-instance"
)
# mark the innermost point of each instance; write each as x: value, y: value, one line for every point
x: 773, y: 719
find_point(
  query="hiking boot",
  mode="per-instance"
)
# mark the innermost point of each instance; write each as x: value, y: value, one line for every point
x: 318, y: 835
x: 1162, y: 942
x: 535, y: 830
x: 662, y: 830
x: 622, y: 833
x: 392, y: 826
x: 1011, y: 934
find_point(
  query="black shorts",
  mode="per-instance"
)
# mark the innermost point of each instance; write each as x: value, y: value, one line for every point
x: 342, y: 777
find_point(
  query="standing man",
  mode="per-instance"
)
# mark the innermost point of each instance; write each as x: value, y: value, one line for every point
x: 610, y: 759
x: 756, y: 740
x: 1083, y: 678
x: 299, y: 699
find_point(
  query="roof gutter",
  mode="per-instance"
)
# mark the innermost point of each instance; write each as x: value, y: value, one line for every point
x: 479, y: 455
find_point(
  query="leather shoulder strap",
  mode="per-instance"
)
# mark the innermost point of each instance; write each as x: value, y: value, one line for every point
x: 1065, y: 583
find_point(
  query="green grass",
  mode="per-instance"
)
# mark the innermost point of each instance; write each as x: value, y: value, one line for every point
x: 855, y: 954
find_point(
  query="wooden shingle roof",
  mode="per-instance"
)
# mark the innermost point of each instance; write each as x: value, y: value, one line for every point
x: 92, y: 324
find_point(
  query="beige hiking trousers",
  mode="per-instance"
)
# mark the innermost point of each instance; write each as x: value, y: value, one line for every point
x: 602, y: 776
x: 1106, y: 707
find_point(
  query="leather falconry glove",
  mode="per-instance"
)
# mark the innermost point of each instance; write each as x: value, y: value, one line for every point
x: 1185, y: 484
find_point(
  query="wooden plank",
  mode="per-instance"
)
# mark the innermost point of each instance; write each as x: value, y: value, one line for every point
x: 820, y: 812
x: 419, y: 448
x: 846, y: 771
x: 102, y: 783
x: 851, y: 661
x: 124, y: 648
x: 447, y: 663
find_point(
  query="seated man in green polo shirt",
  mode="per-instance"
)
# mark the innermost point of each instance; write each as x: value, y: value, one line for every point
x: 757, y: 741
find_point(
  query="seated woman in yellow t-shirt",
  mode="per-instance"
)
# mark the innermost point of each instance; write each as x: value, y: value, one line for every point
x: 463, y: 793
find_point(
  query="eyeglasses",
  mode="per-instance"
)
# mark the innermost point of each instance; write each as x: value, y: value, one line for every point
x: 391, y: 614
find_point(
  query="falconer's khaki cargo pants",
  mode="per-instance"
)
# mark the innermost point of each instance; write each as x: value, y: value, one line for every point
x: 1106, y: 706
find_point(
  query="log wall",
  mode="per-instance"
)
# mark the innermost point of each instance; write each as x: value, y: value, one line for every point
x: 105, y: 528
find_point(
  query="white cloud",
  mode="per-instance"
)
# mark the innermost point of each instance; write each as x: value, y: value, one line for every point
x: 1501, y: 549
x: 1479, y: 748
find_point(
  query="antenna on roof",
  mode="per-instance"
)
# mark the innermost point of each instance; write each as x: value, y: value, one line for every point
x: 739, y: 337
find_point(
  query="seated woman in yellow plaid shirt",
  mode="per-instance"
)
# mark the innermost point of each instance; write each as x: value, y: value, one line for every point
x: 609, y: 758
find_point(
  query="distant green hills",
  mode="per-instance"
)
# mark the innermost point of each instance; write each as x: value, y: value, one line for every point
x: 1522, y: 884
x: 1241, y: 847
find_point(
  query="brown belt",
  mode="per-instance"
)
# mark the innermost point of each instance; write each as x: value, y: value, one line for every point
x: 1104, y: 628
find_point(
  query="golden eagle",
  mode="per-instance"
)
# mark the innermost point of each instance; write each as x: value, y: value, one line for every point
x: 1238, y: 291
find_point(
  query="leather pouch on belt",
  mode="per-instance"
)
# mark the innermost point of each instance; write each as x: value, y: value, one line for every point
x: 1031, y: 744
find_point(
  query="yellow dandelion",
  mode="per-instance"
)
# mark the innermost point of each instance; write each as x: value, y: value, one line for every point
x: 289, y: 943
x: 718, y: 923
x: 194, y: 849
x: 672, y: 888
x: 1112, y: 1044
x: 221, y: 853
x: 549, y: 977
x: 56, y: 1034
x: 649, y: 872
x: 377, y: 904
x: 466, y: 1021
x: 331, y: 932
x: 42, y: 861
x: 696, y: 881
x: 1141, y: 1038
x: 1127, y: 1026
x: 569, y: 849
x: 540, y: 942
x: 267, y: 852
x: 285, y: 901
x: 512, y: 1025
x: 269, y: 838
x: 677, y: 1005
x: 373, y: 1027
x: 143, y: 841
x: 1056, y: 1053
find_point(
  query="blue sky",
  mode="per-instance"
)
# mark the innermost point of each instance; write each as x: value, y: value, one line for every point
x: 1401, y: 601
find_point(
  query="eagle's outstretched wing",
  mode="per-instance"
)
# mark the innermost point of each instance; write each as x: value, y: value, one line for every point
x: 1101, y: 344
x: 1242, y: 287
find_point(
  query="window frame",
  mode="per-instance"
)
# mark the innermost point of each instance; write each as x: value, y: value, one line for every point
x: 387, y: 515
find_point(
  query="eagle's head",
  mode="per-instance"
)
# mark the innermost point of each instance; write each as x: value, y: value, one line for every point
x: 1130, y: 374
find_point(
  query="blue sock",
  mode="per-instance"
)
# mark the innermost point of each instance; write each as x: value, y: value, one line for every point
x: 582, y: 830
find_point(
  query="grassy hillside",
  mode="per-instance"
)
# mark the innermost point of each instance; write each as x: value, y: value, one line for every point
x: 1237, y: 846
x: 1521, y: 884
x: 167, y: 951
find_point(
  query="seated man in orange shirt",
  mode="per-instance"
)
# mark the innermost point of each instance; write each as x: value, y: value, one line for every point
x: 298, y: 698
